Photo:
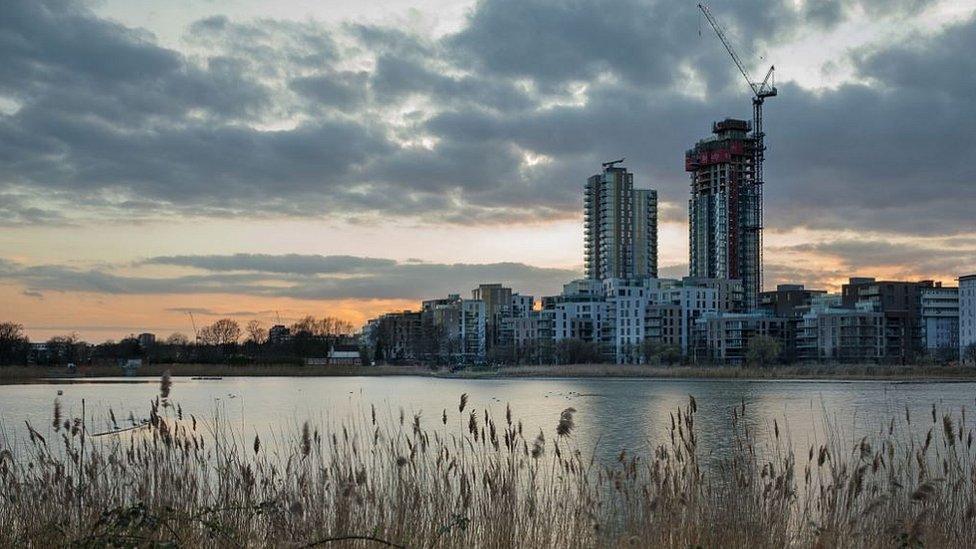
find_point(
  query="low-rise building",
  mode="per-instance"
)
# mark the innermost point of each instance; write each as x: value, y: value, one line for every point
x: 396, y: 337
x: 967, y: 317
x: 461, y: 324
x: 521, y: 307
x: 146, y: 340
x: 901, y: 303
x: 676, y: 306
x: 278, y: 334
x: 626, y: 305
x: 841, y: 335
x: 344, y: 355
x: 940, y: 321
x: 497, y: 301
x: 725, y: 337
x: 788, y: 300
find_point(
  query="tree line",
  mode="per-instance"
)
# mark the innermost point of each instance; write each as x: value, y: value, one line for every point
x: 225, y: 340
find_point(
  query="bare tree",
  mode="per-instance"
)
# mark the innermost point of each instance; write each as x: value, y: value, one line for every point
x: 13, y: 343
x: 307, y: 326
x: 256, y: 333
x: 177, y: 339
x: 63, y: 348
x: 225, y: 331
x: 327, y: 326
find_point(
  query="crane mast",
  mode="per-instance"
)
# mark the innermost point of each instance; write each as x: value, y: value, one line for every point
x: 196, y: 334
x: 752, y: 197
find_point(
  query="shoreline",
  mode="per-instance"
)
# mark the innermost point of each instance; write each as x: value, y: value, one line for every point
x: 815, y: 372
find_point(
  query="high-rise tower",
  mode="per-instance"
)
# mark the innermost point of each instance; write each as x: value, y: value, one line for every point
x: 645, y: 233
x: 620, y: 226
x: 724, y: 208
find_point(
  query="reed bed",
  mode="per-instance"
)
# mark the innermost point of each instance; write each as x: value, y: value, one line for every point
x: 467, y: 479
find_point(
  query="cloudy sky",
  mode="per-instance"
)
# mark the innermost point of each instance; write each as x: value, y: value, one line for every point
x: 266, y: 159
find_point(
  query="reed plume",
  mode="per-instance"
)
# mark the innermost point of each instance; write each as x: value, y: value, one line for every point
x: 375, y: 481
x: 165, y: 384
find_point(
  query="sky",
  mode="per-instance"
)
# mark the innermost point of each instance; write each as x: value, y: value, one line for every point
x: 268, y: 160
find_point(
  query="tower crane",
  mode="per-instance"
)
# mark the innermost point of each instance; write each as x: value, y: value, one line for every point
x: 753, y: 223
x: 196, y: 334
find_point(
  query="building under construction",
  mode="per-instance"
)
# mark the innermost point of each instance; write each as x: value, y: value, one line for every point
x: 725, y: 209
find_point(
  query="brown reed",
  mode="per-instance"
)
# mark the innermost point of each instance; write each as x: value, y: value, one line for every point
x: 365, y: 482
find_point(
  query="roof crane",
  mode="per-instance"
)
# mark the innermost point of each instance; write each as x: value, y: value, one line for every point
x: 196, y: 334
x: 761, y: 90
x: 612, y: 163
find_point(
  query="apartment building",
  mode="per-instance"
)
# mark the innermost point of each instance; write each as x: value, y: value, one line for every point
x: 939, y: 310
x: 620, y: 226
x: 725, y: 337
x: 967, y: 316
x: 841, y: 335
x: 461, y: 327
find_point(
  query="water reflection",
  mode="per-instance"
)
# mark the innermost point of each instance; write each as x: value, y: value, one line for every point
x: 612, y: 414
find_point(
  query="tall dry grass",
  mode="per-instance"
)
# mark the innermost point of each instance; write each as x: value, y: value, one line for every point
x: 468, y: 479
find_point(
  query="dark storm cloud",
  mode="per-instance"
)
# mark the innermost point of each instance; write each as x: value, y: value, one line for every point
x: 280, y: 118
x: 396, y: 77
x: 295, y: 276
x: 554, y: 42
x: 57, y: 55
x: 341, y: 90
x: 267, y: 43
x: 646, y: 42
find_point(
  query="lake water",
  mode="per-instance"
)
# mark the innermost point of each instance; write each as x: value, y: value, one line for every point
x: 612, y: 414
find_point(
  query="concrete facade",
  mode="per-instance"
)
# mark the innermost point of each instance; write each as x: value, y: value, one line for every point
x: 940, y: 321
x: 967, y: 315
x: 620, y: 226
x: 461, y: 325
x: 725, y: 337
x: 842, y: 335
x: 724, y: 217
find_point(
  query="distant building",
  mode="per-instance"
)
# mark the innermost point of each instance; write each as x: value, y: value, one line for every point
x: 670, y: 318
x: 579, y: 312
x: 521, y: 308
x: 620, y: 236
x: 38, y: 353
x: 461, y: 325
x: 729, y: 293
x: 498, y: 304
x: 278, y: 334
x: 344, y: 355
x: 940, y: 321
x: 725, y: 337
x: 398, y: 337
x: 841, y: 335
x: 645, y: 233
x: 901, y: 303
x: 525, y: 330
x: 967, y: 314
x: 724, y: 211
x: 146, y: 340
x: 626, y: 306
x: 788, y: 300
x: 583, y: 288
x: 522, y: 305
